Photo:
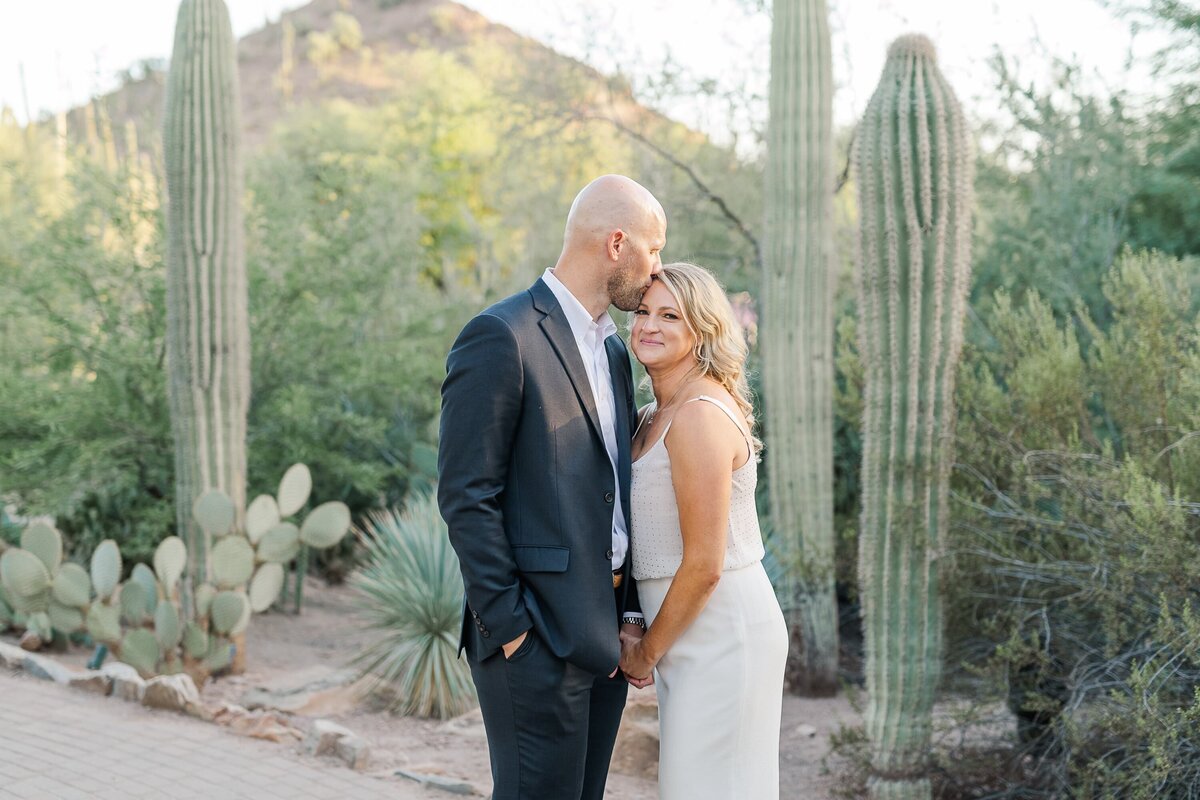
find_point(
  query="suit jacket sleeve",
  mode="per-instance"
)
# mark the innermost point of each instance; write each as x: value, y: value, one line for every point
x: 481, y: 404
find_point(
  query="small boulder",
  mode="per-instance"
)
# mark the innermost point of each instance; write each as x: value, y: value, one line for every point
x: 438, y: 782
x: 46, y: 668
x: 93, y: 681
x: 127, y: 684
x: 173, y: 693
x: 806, y: 730
x: 327, y: 738
x: 11, y: 657
x: 255, y: 724
x: 354, y: 752
x: 323, y: 737
x: 31, y: 641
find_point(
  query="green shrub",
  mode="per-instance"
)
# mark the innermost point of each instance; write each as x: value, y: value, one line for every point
x: 1074, y: 590
x: 410, y: 595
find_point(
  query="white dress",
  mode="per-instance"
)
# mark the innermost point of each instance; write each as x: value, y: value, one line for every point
x: 720, y: 686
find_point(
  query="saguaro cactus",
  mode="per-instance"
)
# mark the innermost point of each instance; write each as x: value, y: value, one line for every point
x: 208, y: 337
x: 914, y: 194
x: 798, y: 332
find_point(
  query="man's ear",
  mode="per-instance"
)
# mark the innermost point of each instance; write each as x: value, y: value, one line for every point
x: 616, y: 241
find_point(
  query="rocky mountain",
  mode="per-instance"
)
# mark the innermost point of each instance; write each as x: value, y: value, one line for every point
x: 331, y: 49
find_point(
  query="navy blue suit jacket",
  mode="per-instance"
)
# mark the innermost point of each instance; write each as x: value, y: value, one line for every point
x: 526, y: 487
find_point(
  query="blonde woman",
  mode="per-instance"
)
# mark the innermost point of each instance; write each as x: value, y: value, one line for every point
x: 716, y: 642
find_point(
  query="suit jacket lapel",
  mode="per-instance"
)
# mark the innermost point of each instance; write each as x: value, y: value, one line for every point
x: 558, y: 331
x: 618, y: 365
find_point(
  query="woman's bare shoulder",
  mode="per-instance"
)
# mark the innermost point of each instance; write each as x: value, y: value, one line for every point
x: 703, y: 430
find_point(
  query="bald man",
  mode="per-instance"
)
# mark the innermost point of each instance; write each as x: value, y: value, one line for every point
x: 534, y: 469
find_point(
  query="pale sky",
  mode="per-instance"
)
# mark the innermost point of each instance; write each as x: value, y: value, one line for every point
x: 70, y: 49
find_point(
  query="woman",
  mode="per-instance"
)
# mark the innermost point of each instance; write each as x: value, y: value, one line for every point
x: 716, y: 639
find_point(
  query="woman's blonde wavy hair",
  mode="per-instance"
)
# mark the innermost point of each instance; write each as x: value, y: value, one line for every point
x: 720, y: 342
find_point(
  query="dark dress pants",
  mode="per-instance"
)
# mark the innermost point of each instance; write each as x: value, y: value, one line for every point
x: 550, y: 725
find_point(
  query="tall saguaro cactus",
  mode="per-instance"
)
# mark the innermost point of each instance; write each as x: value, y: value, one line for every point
x: 208, y: 336
x: 798, y: 332
x: 914, y: 195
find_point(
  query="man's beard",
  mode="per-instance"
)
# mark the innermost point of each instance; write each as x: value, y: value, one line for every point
x: 625, y: 292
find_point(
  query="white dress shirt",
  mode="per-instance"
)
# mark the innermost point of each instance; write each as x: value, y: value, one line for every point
x: 589, y: 338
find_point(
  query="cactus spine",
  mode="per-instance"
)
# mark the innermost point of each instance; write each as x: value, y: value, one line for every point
x: 798, y: 331
x: 208, y: 337
x: 914, y: 197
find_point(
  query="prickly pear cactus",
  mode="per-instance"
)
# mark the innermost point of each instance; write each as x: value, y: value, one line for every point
x: 106, y: 569
x: 45, y: 542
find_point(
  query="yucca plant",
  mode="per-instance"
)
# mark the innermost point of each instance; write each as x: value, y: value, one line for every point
x: 410, y: 593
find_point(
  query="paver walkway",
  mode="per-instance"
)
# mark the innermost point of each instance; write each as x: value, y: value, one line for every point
x: 58, y: 743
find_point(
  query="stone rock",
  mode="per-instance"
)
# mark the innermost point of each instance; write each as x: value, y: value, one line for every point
x: 255, y: 724
x: 11, y: 657
x: 323, y: 737
x: 93, y: 681
x: 30, y: 641
x: 354, y: 751
x: 806, y: 730
x: 46, y: 668
x: 438, y: 782
x: 327, y: 738
x: 127, y: 684
x: 173, y: 693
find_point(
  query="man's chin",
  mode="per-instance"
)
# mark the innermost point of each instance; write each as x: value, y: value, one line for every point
x: 630, y: 299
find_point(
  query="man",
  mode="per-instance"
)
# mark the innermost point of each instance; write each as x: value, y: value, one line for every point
x: 534, y: 465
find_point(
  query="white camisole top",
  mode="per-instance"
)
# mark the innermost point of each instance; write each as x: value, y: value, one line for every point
x: 656, y: 540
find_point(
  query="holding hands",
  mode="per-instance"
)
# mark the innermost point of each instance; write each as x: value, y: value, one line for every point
x: 636, y: 661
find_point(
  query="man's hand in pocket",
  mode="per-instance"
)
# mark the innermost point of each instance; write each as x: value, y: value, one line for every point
x: 512, y: 646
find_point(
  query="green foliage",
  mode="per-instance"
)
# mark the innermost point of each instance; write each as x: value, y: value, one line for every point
x: 326, y: 48
x: 83, y: 427
x: 1077, y: 538
x: 372, y: 234
x: 1072, y: 180
x: 410, y: 596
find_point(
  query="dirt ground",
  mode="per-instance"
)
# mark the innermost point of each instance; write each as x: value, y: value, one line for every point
x: 285, y: 652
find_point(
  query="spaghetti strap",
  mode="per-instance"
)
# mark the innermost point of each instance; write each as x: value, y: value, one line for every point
x: 733, y: 418
x: 642, y: 417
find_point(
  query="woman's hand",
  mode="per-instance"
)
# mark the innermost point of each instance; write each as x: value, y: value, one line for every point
x: 636, y: 661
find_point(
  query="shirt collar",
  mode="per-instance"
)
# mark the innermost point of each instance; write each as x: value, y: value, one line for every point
x: 578, y: 318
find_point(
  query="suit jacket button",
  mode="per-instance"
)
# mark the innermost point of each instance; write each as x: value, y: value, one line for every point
x: 608, y: 497
x: 486, y: 634
x: 608, y: 554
